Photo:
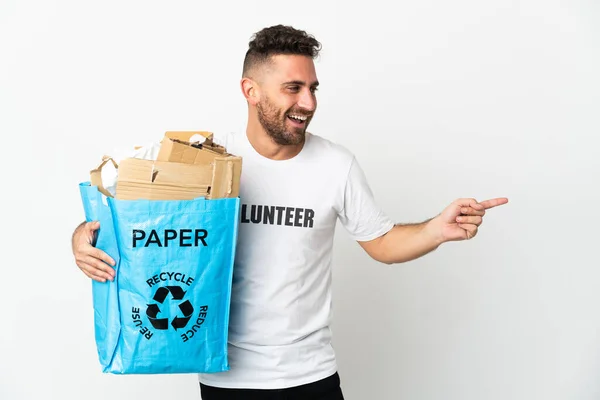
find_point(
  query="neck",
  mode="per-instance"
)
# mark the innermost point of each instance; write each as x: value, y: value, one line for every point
x: 266, y: 146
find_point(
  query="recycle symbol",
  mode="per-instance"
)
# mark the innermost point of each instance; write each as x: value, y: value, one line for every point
x: 153, y: 310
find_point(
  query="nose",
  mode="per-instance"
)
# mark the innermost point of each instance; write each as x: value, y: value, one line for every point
x: 307, y: 100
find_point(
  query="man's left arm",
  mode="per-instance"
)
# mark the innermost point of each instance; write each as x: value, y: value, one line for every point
x: 405, y: 242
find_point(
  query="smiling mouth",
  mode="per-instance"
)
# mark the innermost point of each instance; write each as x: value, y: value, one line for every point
x: 299, y: 120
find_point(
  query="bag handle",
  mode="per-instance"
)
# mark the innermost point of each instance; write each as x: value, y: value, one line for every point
x: 96, y: 175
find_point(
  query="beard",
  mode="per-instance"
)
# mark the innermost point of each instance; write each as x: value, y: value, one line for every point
x: 274, y: 122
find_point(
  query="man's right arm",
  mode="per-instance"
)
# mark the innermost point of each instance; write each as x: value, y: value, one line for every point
x: 93, y: 262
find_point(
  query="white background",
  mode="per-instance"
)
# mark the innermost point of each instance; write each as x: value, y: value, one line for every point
x: 438, y: 100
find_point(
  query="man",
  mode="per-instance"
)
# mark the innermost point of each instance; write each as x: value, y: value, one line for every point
x: 294, y: 188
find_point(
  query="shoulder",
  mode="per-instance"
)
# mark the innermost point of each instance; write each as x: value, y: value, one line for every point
x: 329, y: 149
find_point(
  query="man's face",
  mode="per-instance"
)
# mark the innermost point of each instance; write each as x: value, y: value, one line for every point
x: 288, y: 102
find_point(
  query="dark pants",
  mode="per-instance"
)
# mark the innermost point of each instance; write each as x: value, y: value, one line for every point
x: 325, y: 389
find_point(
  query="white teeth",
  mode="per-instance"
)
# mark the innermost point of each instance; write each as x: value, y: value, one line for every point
x: 298, y: 117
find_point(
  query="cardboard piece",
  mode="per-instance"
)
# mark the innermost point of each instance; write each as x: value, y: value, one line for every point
x: 156, y: 180
x: 182, y: 171
x: 159, y: 180
x: 96, y: 175
x: 176, y: 147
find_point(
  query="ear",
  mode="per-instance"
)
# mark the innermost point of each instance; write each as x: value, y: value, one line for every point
x: 250, y: 90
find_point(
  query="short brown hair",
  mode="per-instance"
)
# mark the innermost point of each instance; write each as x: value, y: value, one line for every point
x: 279, y: 39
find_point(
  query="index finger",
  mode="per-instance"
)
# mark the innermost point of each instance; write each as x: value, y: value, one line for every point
x: 491, y: 203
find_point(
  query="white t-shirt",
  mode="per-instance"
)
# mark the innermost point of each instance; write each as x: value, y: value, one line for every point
x: 280, y: 314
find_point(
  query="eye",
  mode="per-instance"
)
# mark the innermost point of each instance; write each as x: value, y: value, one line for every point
x: 314, y: 89
x: 293, y: 88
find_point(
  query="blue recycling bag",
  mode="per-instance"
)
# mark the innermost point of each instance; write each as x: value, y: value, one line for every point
x: 167, y: 311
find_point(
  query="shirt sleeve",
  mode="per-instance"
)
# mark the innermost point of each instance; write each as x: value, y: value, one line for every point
x: 360, y: 215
